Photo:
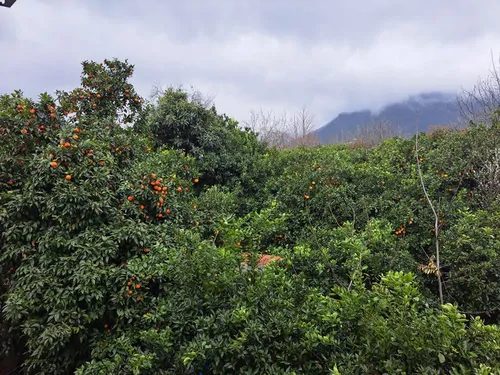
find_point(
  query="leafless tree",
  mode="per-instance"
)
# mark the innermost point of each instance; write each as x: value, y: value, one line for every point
x: 301, y: 123
x: 483, y: 99
x: 309, y: 140
x: 205, y: 100
x: 282, y: 131
x: 156, y: 92
x: 270, y: 127
x: 489, y: 180
x: 375, y: 132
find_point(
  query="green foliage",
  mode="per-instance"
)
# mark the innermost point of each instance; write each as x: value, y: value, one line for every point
x: 226, y: 155
x: 182, y: 245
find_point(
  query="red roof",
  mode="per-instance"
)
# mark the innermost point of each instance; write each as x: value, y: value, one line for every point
x: 263, y: 259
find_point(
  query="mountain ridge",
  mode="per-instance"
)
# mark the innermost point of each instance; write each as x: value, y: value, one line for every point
x: 427, y: 109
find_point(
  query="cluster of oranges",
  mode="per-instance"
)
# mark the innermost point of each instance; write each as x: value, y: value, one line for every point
x: 67, y: 144
x: 22, y: 107
x: 311, y: 187
x: 401, y: 231
x: 160, y: 188
x: 52, y: 111
x: 131, y: 286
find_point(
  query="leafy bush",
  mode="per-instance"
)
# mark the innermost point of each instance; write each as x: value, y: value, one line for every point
x: 226, y: 155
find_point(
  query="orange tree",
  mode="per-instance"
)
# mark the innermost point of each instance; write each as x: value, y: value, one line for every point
x: 81, y: 197
x: 378, y: 191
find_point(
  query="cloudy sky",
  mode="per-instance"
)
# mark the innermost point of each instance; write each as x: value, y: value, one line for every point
x: 331, y: 56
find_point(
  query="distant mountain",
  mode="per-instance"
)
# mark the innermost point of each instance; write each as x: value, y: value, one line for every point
x: 435, y: 108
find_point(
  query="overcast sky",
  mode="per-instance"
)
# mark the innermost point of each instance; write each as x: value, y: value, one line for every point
x: 331, y: 56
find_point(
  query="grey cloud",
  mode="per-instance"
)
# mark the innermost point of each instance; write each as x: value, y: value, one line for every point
x: 331, y: 55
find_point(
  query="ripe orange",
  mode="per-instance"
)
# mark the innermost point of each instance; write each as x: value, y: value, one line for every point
x: 130, y: 198
x: 32, y: 111
x: 24, y: 131
x: 68, y: 177
x: 53, y: 164
x: 130, y: 292
x: 75, y: 136
x: 137, y: 286
x: 179, y: 189
x: 195, y: 180
x: 141, y: 207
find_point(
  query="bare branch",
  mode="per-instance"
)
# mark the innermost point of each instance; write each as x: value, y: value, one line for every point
x: 374, y: 133
x: 483, y: 99
x: 283, y: 131
x: 436, y: 222
x: 205, y: 100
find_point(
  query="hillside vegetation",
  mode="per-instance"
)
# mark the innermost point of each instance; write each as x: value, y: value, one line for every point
x: 145, y: 248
